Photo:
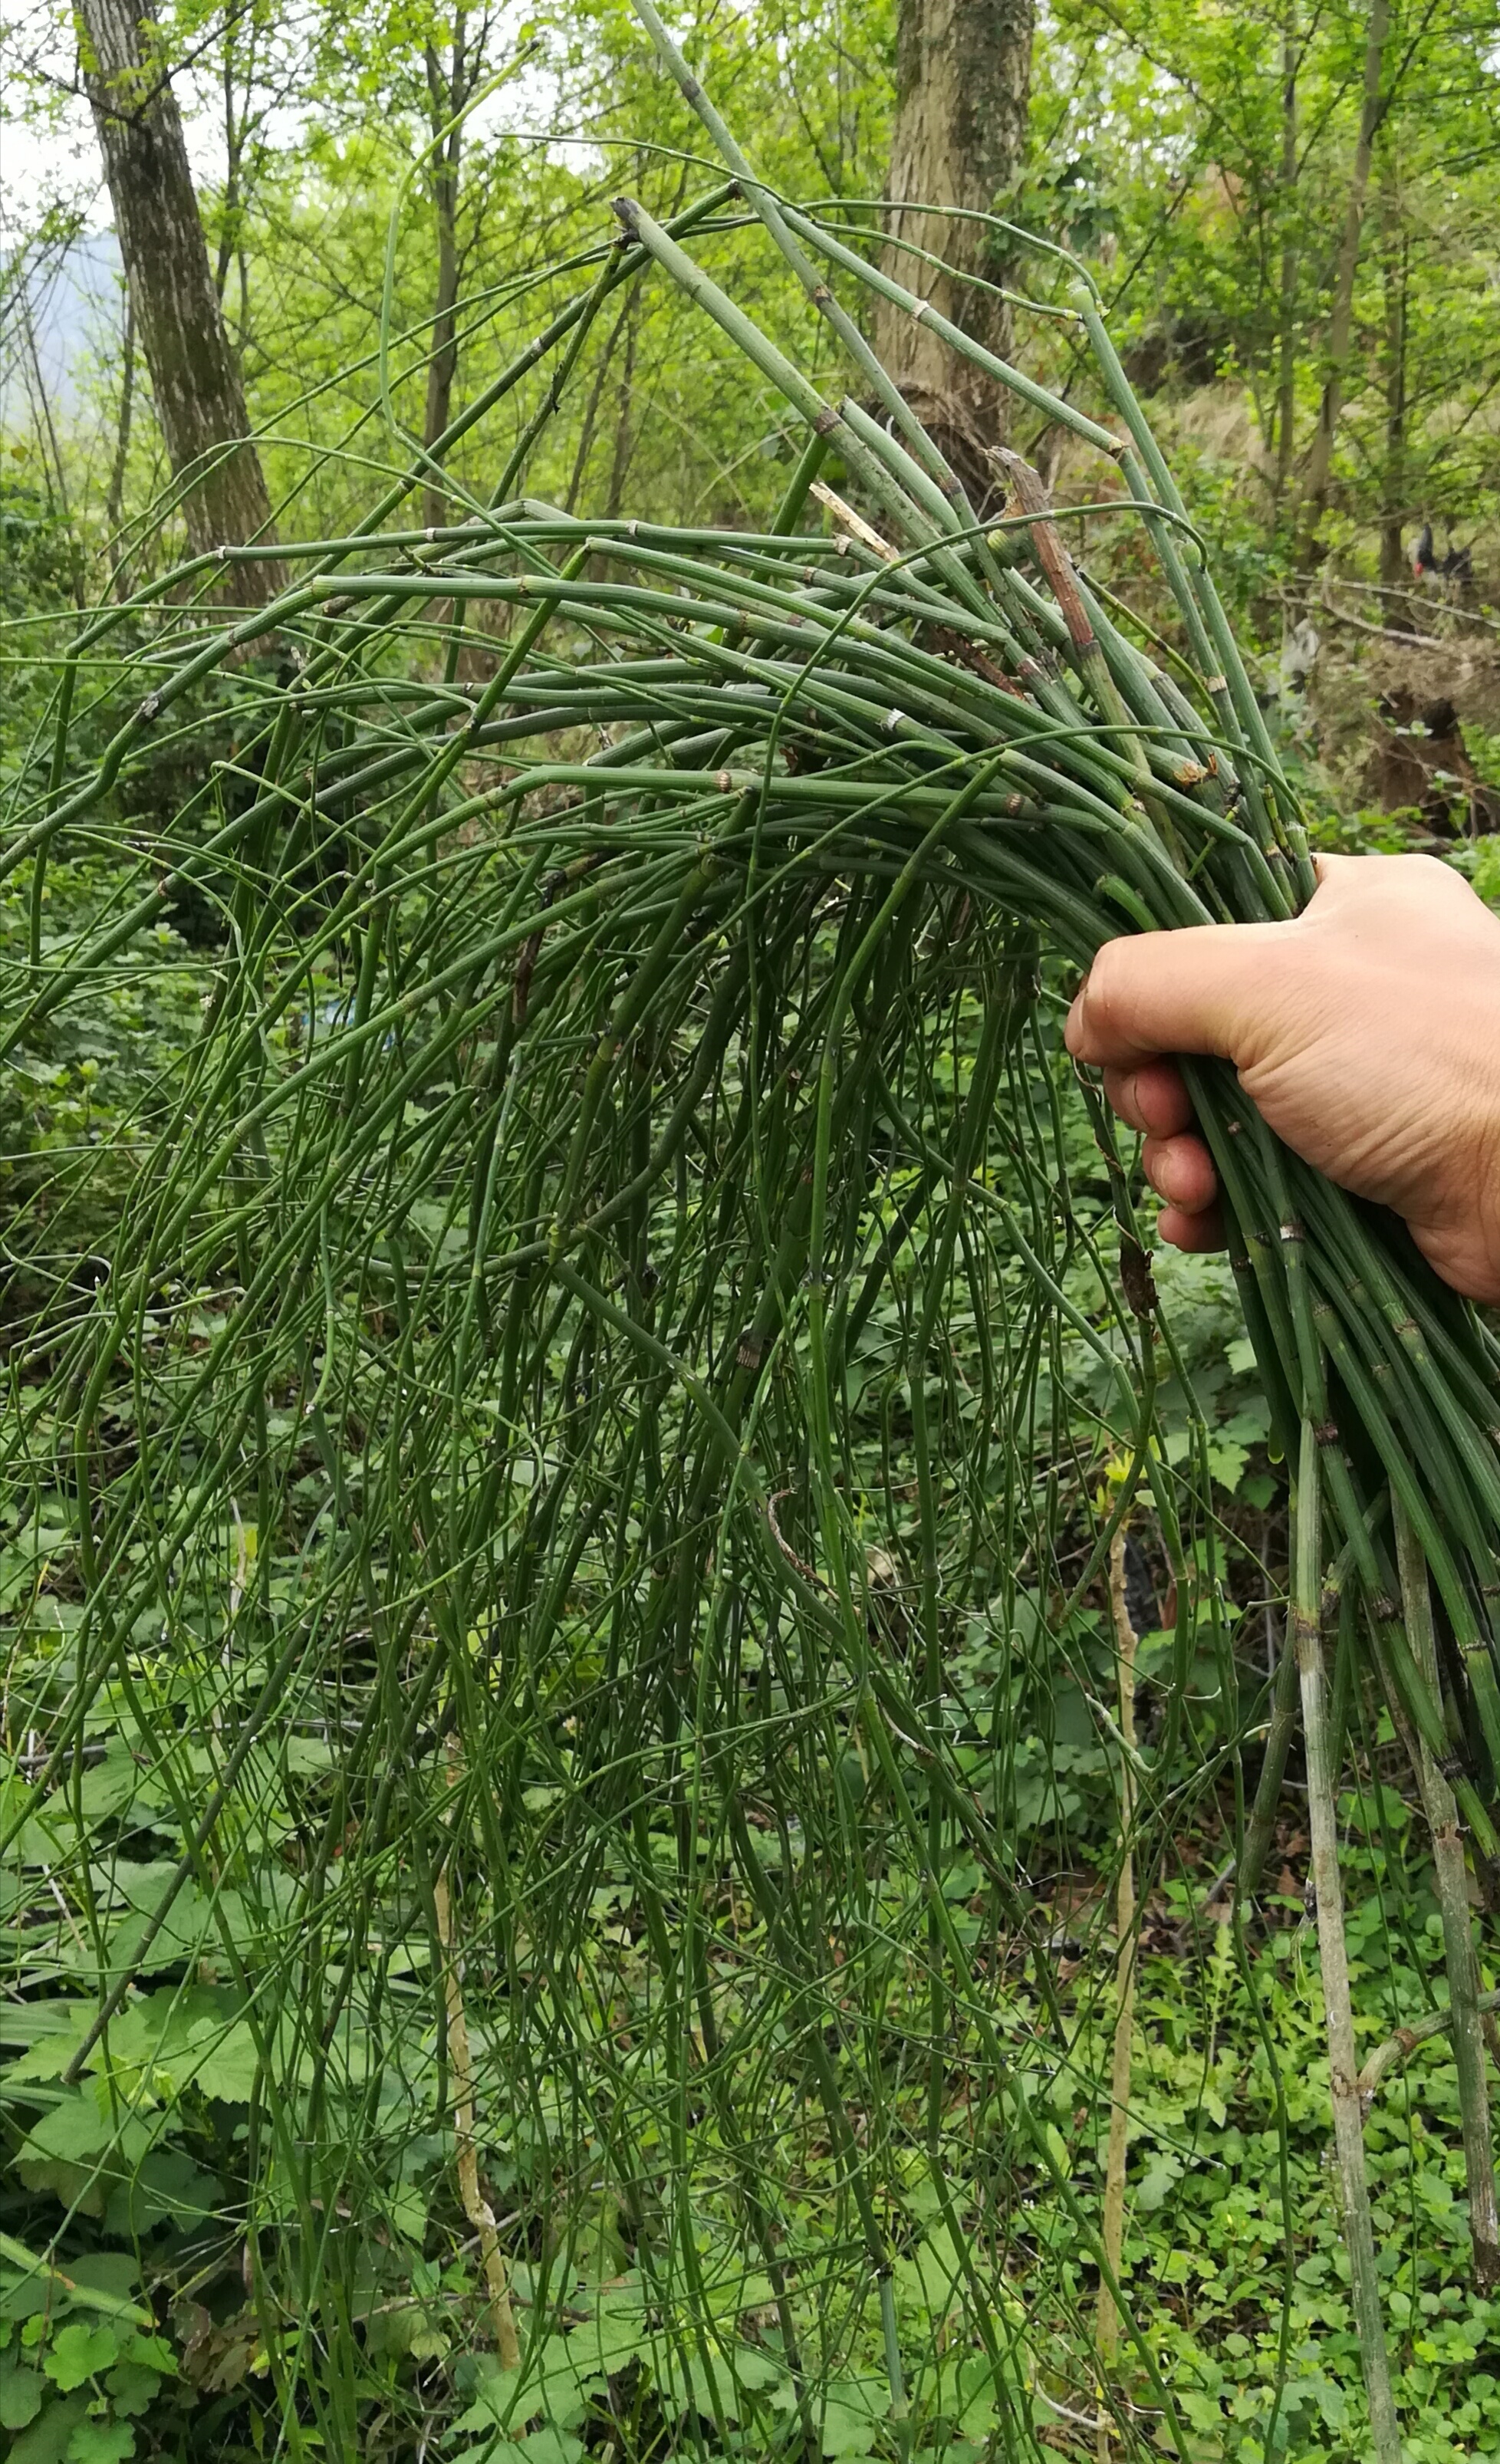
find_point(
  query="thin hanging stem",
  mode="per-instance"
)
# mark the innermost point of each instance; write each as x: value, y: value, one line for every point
x: 1450, y: 1873
x: 1113, y: 2229
x: 460, y: 2069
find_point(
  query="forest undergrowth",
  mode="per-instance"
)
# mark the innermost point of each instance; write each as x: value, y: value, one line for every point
x: 631, y: 1624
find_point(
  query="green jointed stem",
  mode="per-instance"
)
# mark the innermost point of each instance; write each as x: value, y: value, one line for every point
x: 1451, y: 1871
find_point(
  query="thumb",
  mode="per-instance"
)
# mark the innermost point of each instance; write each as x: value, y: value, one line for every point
x: 1202, y: 989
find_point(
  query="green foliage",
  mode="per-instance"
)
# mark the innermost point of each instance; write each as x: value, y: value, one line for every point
x: 35, y: 559
x: 1234, y: 2257
x: 783, y: 1832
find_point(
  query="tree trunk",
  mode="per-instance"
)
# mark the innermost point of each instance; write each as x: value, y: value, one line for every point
x: 963, y: 81
x: 1340, y: 323
x: 445, y: 98
x: 196, y: 381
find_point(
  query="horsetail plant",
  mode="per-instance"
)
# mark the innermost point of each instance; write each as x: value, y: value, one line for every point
x: 602, y: 1274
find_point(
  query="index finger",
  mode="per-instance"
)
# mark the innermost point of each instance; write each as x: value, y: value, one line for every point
x: 1196, y: 990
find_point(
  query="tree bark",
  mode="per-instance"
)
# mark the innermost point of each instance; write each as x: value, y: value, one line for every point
x: 1340, y: 323
x: 963, y: 82
x: 195, y: 379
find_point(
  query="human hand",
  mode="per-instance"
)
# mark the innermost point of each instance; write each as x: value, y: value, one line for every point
x: 1367, y: 1032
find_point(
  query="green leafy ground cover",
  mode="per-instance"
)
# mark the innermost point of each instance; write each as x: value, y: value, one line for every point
x: 1233, y: 2248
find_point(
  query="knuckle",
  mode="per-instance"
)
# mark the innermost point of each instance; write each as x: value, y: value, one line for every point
x: 1405, y: 876
x: 1428, y: 872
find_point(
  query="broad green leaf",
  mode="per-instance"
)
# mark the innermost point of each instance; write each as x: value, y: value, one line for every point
x: 309, y: 1756
x: 79, y: 2352
x: 685, y: 2383
x: 850, y: 2417
x: 131, y: 2387
x: 224, y: 2062
x: 49, y: 2438
x: 101, y: 2442
x: 1157, y: 2180
x: 544, y: 2446
x: 77, y: 2130
x: 106, y: 1787
x: 21, y: 2393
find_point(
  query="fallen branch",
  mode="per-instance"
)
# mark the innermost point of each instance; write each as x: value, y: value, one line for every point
x: 1361, y: 625
x: 1405, y: 2041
